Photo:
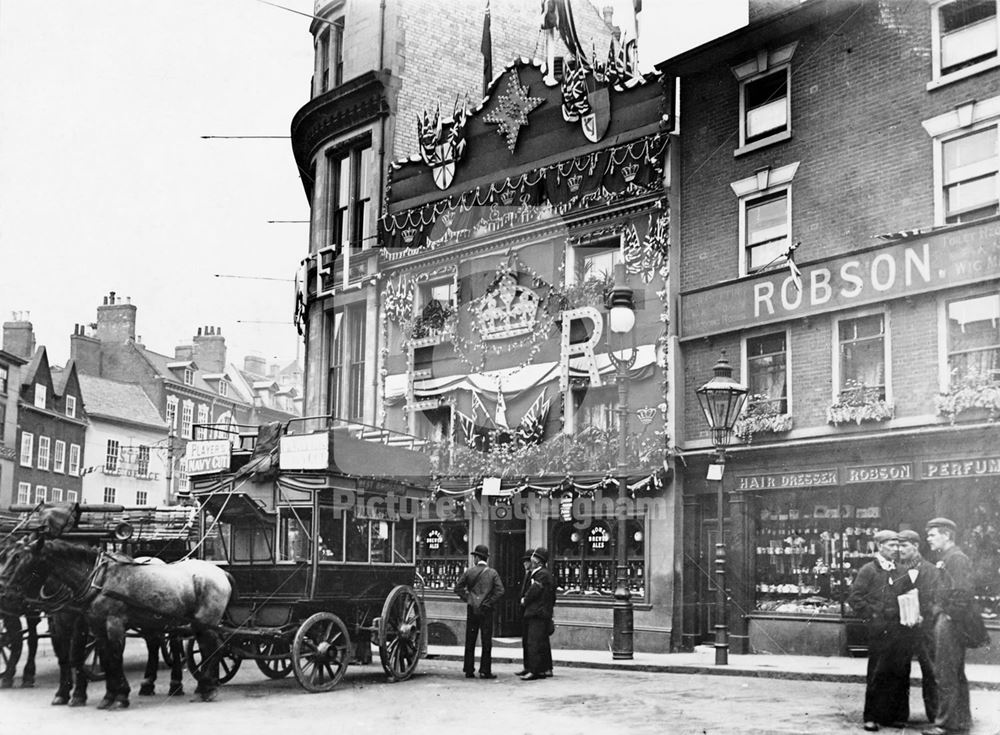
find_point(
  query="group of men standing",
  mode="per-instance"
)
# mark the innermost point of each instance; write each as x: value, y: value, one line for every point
x: 913, y: 607
x: 480, y: 587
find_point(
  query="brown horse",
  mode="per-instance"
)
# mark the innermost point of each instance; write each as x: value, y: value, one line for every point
x: 117, y: 593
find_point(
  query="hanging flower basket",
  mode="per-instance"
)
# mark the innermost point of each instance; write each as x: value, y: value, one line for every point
x: 761, y: 417
x: 591, y: 291
x: 859, y: 404
x: 972, y: 392
x: 431, y: 321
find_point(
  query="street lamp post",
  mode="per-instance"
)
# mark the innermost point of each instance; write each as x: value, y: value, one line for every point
x: 621, y: 320
x: 721, y: 400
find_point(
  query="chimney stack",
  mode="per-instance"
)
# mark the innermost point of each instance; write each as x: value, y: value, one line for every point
x: 116, y: 320
x: 210, y: 349
x: 19, y: 335
x: 85, y: 351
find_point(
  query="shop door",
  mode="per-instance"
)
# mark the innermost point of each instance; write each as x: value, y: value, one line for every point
x: 508, y: 547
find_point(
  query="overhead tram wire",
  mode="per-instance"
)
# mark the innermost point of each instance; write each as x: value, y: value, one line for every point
x: 298, y: 12
x: 254, y: 278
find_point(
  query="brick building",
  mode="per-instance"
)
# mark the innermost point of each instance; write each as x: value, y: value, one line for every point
x: 858, y: 139
x: 10, y: 381
x: 51, y: 422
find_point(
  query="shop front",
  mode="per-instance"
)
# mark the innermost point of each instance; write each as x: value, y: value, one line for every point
x: 801, y: 522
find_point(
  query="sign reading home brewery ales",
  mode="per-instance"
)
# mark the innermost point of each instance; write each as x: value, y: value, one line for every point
x: 938, y: 260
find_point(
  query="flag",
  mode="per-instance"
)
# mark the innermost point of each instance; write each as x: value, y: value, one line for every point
x: 501, y: 415
x: 487, y: 48
x: 793, y: 269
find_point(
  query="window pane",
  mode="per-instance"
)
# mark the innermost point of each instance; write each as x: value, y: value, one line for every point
x: 295, y: 527
x: 765, y: 104
x: 357, y: 539
x: 862, y: 354
x: 764, y: 119
x: 599, y: 265
x: 331, y: 535
x: 766, y: 368
x: 969, y: 33
x: 977, y: 196
x: 974, y: 336
x: 381, y: 542
x: 767, y: 219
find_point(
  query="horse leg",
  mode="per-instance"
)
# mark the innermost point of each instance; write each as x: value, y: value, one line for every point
x: 111, y: 641
x: 61, y: 640
x: 148, y: 686
x: 208, y: 681
x: 13, y: 636
x: 77, y: 661
x: 176, y: 665
x: 28, y: 675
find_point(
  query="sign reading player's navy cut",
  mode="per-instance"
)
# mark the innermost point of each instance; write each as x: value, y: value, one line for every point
x: 205, y: 457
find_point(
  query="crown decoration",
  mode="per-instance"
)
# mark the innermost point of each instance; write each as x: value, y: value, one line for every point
x: 574, y: 182
x: 507, y: 197
x: 646, y: 414
x: 507, y: 309
x: 408, y: 234
x: 629, y: 171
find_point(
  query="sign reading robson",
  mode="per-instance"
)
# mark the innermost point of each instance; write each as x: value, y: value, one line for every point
x: 205, y: 457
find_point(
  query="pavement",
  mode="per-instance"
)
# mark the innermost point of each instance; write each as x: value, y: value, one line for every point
x: 702, y: 661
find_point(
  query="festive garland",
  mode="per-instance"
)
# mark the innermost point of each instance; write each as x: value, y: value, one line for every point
x: 859, y: 403
x: 760, y: 417
x: 973, y: 390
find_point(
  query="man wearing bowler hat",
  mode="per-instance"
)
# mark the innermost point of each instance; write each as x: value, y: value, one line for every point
x: 874, y: 597
x: 925, y: 576
x: 526, y: 561
x: 538, y: 603
x: 951, y: 600
x: 480, y: 587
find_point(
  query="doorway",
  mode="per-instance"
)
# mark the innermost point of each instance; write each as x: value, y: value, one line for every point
x: 508, y: 543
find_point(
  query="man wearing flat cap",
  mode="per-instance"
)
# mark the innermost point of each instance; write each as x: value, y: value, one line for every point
x: 951, y: 601
x: 925, y: 576
x: 480, y: 587
x: 874, y: 597
x: 538, y: 604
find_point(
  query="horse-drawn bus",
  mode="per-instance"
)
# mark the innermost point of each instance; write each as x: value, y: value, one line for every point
x: 317, y: 530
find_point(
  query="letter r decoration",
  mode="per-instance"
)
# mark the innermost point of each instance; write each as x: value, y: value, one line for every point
x: 586, y: 348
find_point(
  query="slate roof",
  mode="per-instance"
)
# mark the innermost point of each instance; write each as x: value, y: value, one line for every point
x: 121, y: 401
x: 160, y: 365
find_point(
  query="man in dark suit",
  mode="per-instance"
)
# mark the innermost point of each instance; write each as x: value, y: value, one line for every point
x: 526, y: 561
x: 480, y: 587
x: 538, y: 602
x: 951, y: 601
x: 924, y: 575
x: 874, y: 597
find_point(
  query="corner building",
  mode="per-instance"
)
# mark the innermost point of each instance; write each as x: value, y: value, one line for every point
x: 857, y: 140
x: 454, y: 296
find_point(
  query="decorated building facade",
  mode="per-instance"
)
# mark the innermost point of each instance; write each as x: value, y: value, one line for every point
x: 838, y: 238
x: 475, y: 326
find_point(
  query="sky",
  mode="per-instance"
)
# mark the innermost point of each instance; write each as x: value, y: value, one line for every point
x: 106, y: 183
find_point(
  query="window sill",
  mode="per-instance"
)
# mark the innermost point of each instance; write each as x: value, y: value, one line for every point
x: 961, y: 74
x: 758, y: 144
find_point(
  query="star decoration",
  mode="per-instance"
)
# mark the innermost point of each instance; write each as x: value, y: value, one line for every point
x: 512, y: 109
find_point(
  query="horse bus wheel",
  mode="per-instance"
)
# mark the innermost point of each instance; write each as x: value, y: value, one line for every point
x: 400, y: 633
x: 321, y: 652
x: 274, y: 668
x: 229, y: 663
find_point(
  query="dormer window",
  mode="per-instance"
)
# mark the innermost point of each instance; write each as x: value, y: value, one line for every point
x: 223, y: 388
x: 41, y: 393
x: 188, y: 376
x: 71, y: 406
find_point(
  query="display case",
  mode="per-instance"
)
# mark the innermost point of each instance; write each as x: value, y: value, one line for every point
x: 584, y: 562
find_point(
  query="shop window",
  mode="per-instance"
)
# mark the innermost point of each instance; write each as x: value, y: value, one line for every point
x: 861, y: 355
x: 584, y: 556
x: 970, y: 181
x: 767, y: 371
x: 442, y: 552
x: 965, y: 39
x: 294, y: 534
x: 765, y: 98
x: 974, y: 338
